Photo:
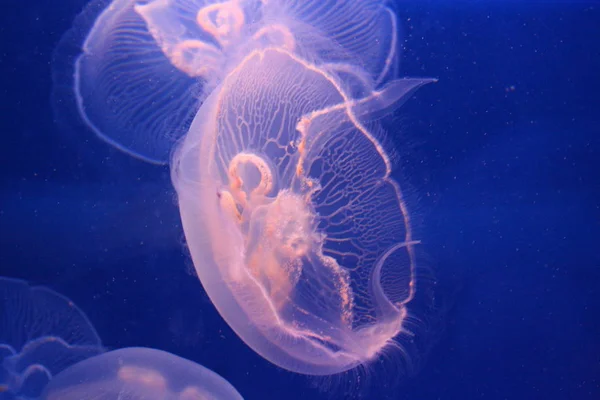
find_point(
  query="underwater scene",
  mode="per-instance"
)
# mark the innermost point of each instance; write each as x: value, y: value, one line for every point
x: 300, y: 199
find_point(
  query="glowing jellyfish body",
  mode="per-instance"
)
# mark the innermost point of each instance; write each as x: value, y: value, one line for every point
x: 139, y: 374
x: 41, y: 334
x: 298, y: 233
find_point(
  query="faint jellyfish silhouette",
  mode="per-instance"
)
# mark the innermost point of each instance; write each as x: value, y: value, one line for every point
x: 360, y: 35
x: 298, y: 233
x: 135, y: 72
x: 139, y: 373
x: 41, y: 334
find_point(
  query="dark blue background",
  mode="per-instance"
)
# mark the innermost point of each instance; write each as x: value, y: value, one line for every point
x: 502, y: 155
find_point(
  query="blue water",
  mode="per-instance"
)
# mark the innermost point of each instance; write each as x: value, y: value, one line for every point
x: 502, y: 156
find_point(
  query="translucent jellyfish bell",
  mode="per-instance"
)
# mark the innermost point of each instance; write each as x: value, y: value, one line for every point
x: 298, y: 233
x: 124, y: 88
x: 137, y: 71
x: 41, y: 334
x: 139, y: 374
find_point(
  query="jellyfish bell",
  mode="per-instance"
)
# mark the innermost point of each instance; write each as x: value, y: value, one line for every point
x: 346, y: 32
x: 41, y: 334
x: 111, y: 77
x: 291, y: 215
x: 135, y: 72
x: 138, y: 373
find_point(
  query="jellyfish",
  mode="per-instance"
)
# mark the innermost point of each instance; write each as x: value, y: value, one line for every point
x: 139, y: 373
x: 299, y: 234
x: 135, y: 72
x: 41, y: 334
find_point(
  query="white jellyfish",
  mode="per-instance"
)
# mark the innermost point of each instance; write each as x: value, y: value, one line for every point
x: 297, y: 229
x: 139, y: 374
x: 41, y: 334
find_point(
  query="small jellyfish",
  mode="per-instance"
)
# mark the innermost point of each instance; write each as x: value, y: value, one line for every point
x: 135, y: 72
x: 139, y: 373
x: 41, y: 334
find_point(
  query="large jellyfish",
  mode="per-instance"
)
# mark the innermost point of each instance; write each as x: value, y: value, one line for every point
x: 298, y: 232
x: 41, y: 334
x: 139, y: 374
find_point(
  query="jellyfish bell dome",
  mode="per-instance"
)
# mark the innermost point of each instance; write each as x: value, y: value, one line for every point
x: 41, y: 334
x: 138, y: 373
x: 111, y: 77
x: 298, y: 232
